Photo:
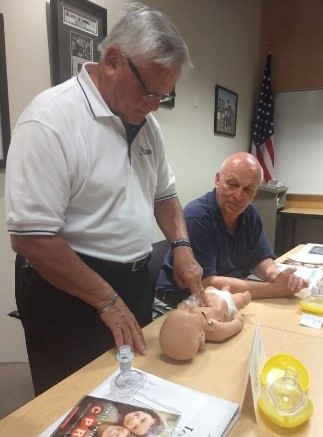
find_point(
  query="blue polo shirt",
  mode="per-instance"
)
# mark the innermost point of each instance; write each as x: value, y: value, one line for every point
x: 218, y: 251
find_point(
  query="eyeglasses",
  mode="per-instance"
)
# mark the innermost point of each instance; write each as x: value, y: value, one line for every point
x: 148, y: 95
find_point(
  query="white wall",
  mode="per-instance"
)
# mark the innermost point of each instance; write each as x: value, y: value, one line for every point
x: 223, y: 37
x: 298, y: 138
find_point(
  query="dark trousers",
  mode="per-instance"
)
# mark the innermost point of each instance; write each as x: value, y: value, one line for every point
x: 62, y: 332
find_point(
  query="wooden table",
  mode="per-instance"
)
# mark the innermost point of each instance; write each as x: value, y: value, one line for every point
x: 303, y: 211
x: 309, y: 350
x: 205, y: 374
x: 220, y: 369
x: 281, y: 333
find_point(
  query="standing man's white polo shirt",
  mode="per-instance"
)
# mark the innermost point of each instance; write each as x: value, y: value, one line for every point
x: 79, y: 179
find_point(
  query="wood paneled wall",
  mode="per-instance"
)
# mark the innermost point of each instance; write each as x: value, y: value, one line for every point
x: 294, y: 31
x: 304, y: 201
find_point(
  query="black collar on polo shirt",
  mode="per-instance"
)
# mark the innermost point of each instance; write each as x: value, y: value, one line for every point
x: 131, y: 132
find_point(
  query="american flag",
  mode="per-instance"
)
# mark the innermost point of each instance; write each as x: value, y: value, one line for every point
x: 262, y: 145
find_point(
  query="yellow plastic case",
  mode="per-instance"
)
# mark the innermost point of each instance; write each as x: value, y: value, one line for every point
x: 312, y: 304
x: 275, y: 367
x: 272, y: 372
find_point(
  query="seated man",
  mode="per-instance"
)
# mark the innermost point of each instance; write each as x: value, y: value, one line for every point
x: 194, y: 324
x: 227, y: 238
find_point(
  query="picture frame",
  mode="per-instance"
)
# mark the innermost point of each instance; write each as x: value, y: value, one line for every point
x: 226, y: 110
x: 4, y: 100
x: 77, y: 28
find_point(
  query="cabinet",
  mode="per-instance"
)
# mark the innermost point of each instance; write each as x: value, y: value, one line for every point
x: 300, y: 226
x: 268, y: 201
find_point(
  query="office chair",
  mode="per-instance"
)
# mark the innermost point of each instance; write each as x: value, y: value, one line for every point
x: 157, y: 257
x: 14, y: 314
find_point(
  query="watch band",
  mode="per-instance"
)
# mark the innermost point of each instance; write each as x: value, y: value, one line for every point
x: 180, y: 242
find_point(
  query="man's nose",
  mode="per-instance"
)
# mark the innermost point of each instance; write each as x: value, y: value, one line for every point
x: 239, y: 193
x: 153, y: 105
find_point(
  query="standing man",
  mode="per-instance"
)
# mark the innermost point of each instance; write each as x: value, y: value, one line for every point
x: 86, y: 174
x: 227, y: 238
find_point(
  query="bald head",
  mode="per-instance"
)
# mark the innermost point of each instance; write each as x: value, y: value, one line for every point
x: 245, y: 162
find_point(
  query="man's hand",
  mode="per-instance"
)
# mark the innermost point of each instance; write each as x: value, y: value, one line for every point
x: 188, y: 273
x: 287, y: 284
x: 124, y: 327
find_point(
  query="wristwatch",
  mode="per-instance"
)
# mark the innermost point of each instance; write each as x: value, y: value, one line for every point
x: 180, y: 242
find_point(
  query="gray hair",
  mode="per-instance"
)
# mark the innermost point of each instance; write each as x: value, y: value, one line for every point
x: 148, y: 35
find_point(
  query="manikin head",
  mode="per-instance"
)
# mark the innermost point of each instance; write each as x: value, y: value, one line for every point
x: 183, y: 331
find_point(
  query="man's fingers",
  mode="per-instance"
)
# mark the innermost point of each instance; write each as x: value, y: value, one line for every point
x: 137, y: 337
x: 179, y: 282
x: 291, y: 283
x: 125, y: 328
x: 295, y: 283
x: 133, y: 339
x: 139, y: 343
x: 198, y: 290
x: 118, y: 337
x: 289, y: 270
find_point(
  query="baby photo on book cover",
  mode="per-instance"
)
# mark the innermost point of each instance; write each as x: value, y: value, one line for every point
x: 100, y: 417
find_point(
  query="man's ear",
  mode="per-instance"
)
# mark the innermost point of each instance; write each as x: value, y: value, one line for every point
x: 217, y: 178
x: 112, y: 59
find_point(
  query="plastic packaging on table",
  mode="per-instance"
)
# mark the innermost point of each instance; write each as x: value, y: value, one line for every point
x: 314, y: 302
x: 283, y: 396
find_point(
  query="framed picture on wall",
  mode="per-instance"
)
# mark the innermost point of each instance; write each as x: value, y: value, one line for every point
x: 225, y: 113
x: 4, y: 101
x: 77, y: 28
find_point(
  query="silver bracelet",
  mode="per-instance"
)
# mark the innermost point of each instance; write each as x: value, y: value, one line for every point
x: 108, y: 305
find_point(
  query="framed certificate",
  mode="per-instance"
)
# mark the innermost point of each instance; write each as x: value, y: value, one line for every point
x: 77, y: 28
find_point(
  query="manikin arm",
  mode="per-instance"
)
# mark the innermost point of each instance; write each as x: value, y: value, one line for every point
x: 219, y: 331
x: 284, y: 285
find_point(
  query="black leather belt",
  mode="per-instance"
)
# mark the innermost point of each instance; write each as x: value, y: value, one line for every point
x: 134, y: 266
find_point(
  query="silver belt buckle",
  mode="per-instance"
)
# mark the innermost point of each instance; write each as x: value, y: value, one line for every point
x: 136, y: 265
